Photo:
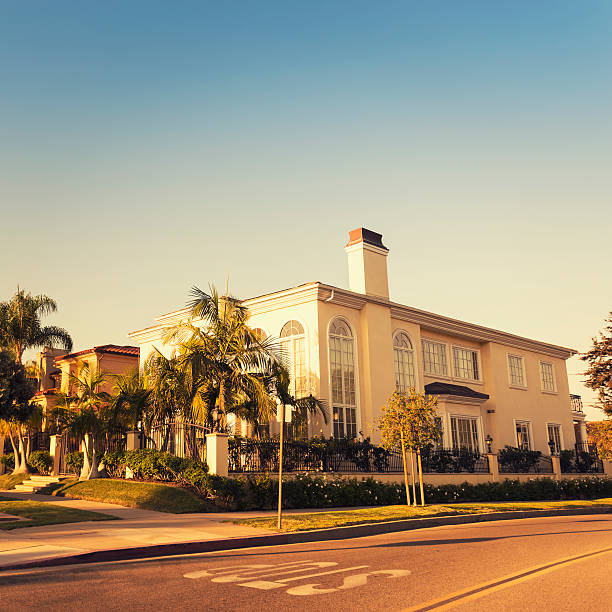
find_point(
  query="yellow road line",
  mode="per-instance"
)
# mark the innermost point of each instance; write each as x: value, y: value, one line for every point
x: 459, y: 597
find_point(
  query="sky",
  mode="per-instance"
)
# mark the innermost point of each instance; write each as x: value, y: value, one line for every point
x: 146, y: 147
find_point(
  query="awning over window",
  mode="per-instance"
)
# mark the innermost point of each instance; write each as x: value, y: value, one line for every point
x: 442, y: 388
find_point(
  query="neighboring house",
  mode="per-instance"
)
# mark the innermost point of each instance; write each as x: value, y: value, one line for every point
x: 354, y: 347
x: 55, y: 366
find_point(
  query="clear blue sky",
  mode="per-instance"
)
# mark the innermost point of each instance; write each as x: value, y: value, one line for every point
x: 149, y: 146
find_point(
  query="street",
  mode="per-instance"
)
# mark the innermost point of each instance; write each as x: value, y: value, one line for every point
x: 560, y: 563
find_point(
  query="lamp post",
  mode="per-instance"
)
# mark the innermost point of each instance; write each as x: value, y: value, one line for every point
x: 489, y: 443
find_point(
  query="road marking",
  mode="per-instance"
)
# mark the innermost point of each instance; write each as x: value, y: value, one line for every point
x: 459, y: 597
x: 252, y: 576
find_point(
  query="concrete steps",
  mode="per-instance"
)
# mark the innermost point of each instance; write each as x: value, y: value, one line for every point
x: 37, y: 482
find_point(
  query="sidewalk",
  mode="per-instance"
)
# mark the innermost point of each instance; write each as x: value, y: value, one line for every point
x: 136, y: 528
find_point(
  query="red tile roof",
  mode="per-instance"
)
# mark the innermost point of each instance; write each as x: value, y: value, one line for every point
x: 112, y: 349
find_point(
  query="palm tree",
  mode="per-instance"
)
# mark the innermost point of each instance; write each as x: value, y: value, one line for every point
x: 21, y: 327
x: 225, y: 362
x: 86, y: 414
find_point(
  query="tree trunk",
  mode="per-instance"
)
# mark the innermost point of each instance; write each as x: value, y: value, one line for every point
x: 421, y: 477
x: 94, y: 472
x: 23, y: 464
x: 414, y: 498
x: 405, y: 471
x: 86, y: 467
x: 16, y: 460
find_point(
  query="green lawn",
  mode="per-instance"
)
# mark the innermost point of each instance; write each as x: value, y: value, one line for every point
x: 145, y: 495
x: 41, y: 513
x: 8, y: 481
x: 378, y: 514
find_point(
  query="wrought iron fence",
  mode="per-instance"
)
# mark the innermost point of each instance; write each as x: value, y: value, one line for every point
x: 580, y: 461
x: 37, y: 441
x: 333, y: 456
x: 530, y: 462
x: 67, y: 444
x: 454, y: 461
x: 180, y: 439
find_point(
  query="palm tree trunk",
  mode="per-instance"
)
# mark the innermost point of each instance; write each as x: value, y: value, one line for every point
x: 23, y: 464
x: 15, y: 454
x: 94, y: 472
x: 86, y: 467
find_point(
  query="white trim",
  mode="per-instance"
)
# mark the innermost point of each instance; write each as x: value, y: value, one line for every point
x: 560, y: 433
x: 516, y: 422
x: 366, y: 246
x: 351, y: 327
x: 448, y: 365
x: 554, y: 390
x: 415, y: 355
x: 479, y: 363
x: 510, y: 383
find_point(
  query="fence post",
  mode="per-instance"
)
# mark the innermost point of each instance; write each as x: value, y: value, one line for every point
x: 132, y: 442
x: 556, y: 465
x: 493, y: 466
x: 2, y: 466
x: 55, y: 450
x: 607, y: 468
x: 217, y: 453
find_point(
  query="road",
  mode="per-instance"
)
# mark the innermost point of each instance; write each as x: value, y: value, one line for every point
x: 560, y: 563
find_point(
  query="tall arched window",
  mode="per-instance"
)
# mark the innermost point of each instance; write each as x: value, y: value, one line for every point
x: 342, y: 367
x: 293, y: 348
x: 403, y: 362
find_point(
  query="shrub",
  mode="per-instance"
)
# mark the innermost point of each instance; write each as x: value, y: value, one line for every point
x: 519, y: 459
x: 74, y: 461
x: 8, y: 461
x: 41, y: 461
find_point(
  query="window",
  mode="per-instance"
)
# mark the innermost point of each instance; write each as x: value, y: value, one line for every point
x: 464, y: 433
x: 516, y: 371
x: 554, y: 436
x: 342, y: 367
x: 523, y: 438
x: 547, y: 376
x: 403, y: 362
x: 434, y: 357
x: 465, y: 362
x: 292, y: 342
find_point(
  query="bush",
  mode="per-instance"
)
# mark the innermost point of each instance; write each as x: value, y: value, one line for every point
x: 41, y: 461
x: 74, y: 461
x: 150, y: 464
x: 8, y: 461
x: 520, y: 460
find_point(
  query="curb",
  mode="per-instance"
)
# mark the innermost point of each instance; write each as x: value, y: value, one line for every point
x: 298, y: 537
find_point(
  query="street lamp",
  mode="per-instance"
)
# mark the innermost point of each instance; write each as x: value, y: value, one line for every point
x: 489, y: 442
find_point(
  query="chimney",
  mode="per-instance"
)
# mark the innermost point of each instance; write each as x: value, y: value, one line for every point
x: 367, y: 263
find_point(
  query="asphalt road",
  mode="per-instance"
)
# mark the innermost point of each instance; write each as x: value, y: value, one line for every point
x: 560, y: 563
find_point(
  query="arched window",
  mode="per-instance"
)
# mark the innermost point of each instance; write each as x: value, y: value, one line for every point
x: 342, y: 367
x: 403, y: 362
x: 293, y: 349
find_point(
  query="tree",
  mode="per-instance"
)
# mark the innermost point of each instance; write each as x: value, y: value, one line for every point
x: 599, y: 371
x: 16, y: 391
x: 408, y: 423
x: 225, y: 362
x: 600, y: 434
x: 21, y: 327
x: 86, y: 413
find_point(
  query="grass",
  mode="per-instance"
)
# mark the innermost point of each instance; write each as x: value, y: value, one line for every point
x: 145, y: 495
x: 342, y: 518
x: 41, y: 513
x: 8, y: 481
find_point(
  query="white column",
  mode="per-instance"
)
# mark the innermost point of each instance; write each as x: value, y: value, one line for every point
x: 217, y: 453
x: 55, y: 450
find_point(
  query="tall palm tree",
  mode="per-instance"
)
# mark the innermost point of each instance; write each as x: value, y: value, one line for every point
x: 21, y: 327
x: 225, y: 360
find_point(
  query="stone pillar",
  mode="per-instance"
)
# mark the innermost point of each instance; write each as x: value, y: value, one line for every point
x: 607, y: 467
x: 217, y: 454
x: 556, y: 465
x: 132, y: 442
x: 493, y: 466
x: 55, y: 450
